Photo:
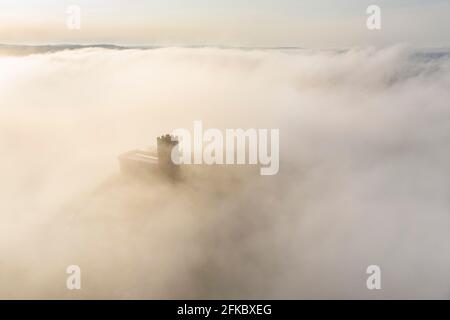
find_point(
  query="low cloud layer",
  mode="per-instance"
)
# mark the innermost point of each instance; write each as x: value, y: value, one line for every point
x: 363, y: 175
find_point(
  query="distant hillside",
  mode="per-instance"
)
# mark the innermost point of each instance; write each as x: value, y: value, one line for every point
x: 24, y: 50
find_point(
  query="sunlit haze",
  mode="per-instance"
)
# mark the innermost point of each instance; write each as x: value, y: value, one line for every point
x: 318, y: 24
x: 357, y: 104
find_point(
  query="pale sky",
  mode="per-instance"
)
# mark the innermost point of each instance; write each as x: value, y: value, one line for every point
x: 305, y: 23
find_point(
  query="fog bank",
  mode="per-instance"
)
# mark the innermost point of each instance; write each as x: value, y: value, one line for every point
x: 363, y: 175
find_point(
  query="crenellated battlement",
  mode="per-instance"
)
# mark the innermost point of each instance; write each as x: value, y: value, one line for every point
x: 139, y: 162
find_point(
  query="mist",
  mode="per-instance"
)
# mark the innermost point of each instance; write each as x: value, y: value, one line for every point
x: 363, y: 179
